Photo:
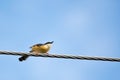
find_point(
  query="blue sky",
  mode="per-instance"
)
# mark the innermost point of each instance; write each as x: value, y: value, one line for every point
x: 77, y: 27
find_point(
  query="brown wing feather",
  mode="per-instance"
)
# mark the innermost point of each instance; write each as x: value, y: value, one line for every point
x: 36, y: 45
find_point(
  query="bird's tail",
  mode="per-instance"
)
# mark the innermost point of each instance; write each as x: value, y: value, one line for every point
x: 24, y: 57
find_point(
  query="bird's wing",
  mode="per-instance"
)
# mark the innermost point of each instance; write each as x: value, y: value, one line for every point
x: 37, y: 45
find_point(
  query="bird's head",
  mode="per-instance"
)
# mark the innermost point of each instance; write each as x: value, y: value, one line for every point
x: 49, y: 42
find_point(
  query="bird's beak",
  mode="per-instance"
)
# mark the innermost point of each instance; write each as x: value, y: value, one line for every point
x: 51, y: 42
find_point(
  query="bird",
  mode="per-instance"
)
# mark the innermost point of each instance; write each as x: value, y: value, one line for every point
x: 37, y: 49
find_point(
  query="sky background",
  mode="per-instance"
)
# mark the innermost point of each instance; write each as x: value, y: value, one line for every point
x: 77, y: 27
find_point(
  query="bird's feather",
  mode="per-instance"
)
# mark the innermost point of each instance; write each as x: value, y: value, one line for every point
x: 37, y: 45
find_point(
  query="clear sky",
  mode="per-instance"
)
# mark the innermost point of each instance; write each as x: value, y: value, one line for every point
x: 77, y: 27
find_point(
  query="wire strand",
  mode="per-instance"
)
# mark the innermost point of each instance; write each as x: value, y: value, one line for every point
x: 63, y: 56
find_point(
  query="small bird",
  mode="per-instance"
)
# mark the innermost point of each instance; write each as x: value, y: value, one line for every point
x: 38, y: 49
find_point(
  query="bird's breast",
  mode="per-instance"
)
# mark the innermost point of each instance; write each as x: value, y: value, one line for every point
x: 41, y: 49
x: 44, y: 48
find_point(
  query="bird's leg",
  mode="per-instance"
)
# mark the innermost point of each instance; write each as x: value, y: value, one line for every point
x: 36, y: 53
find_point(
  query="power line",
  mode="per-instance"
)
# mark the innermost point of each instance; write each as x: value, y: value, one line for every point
x: 63, y: 56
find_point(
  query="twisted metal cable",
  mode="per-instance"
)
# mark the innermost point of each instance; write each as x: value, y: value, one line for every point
x: 62, y: 56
